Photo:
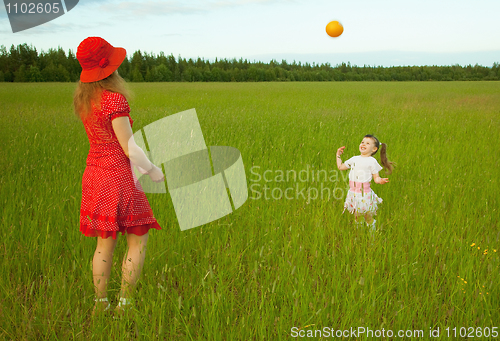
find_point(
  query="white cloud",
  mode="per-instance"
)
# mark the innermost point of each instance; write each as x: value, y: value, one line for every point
x: 246, y: 28
x: 162, y: 8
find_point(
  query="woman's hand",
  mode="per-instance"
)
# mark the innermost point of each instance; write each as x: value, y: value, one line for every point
x: 141, y: 170
x: 156, y: 174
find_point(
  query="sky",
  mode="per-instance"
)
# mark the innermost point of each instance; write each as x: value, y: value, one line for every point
x: 383, y: 32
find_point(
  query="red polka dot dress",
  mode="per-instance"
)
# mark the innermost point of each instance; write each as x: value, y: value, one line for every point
x: 111, y: 203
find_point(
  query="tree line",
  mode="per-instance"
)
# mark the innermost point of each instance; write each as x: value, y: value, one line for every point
x: 24, y: 64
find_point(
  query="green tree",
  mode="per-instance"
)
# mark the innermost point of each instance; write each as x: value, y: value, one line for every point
x: 137, y: 75
x: 62, y: 74
x: 171, y: 63
x: 255, y: 74
x: 34, y: 74
x: 193, y: 74
x: 269, y: 75
x: 216, y: 74
x: 149, y: 76
x: 55, y: 74
x: 161, y: 59
x: 138, y: 65
x: 207, y: 74
x: 163, y: 73
x: 73, y: 67
x: 124, y: 69
x: 181, y: 66
x: 237, y: 75
x: 20, y: 74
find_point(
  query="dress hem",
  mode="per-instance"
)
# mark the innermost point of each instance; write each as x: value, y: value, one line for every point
x: 138, y: 230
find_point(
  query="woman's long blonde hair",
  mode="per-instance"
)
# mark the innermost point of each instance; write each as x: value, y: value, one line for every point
x: 88, y: 95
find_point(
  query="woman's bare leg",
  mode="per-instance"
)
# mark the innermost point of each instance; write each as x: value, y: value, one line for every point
x: 101, y: 264
x: 133, y: 263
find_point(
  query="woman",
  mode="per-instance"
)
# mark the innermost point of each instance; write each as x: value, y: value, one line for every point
x: 111, y: 200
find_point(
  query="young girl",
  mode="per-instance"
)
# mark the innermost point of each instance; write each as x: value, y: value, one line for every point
x: 361, y: 200
x: 111, y: 202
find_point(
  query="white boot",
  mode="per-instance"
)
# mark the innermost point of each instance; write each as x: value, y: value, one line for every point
x: 123, y: 305
x: 373, y: 225
x: 101, y: 305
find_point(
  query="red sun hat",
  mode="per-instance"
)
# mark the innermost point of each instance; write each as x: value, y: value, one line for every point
x: 98, y: 59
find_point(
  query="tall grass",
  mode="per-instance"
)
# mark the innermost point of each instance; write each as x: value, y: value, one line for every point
x: 275, y: 263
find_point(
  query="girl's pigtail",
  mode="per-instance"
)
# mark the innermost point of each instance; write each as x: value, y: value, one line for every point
x: 388, y: 165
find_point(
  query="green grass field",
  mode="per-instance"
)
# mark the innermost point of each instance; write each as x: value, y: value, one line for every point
x: 275, y: 263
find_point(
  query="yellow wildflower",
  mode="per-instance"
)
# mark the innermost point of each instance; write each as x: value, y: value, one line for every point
x: 473, y: 244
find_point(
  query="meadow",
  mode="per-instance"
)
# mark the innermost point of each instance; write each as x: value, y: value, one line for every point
x: 287, y: 263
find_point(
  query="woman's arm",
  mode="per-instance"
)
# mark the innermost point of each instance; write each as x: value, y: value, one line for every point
x: 125, y: 136
x: 340, y: 165
x: 123, y: 131
x: 379, y: 180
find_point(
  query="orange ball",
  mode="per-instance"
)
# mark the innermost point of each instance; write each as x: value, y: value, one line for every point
x: 334, y: 29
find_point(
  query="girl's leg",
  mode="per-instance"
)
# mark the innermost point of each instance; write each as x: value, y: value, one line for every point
x: 133, y: 262
x: 369, y: 218
x: 370, y: 221
x: 357, y: 218
x: 101, y: 264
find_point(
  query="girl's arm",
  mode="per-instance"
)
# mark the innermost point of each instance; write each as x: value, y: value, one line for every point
x: 123, y: 132
x: 379, y: 180
x: 340, y: 165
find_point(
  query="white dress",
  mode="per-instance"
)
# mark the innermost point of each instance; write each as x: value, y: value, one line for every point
x: 360, y: 198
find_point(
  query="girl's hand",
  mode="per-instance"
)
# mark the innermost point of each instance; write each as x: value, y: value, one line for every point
x: 156, y: 174
x: 340, y: 151
x: 379, y: 180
